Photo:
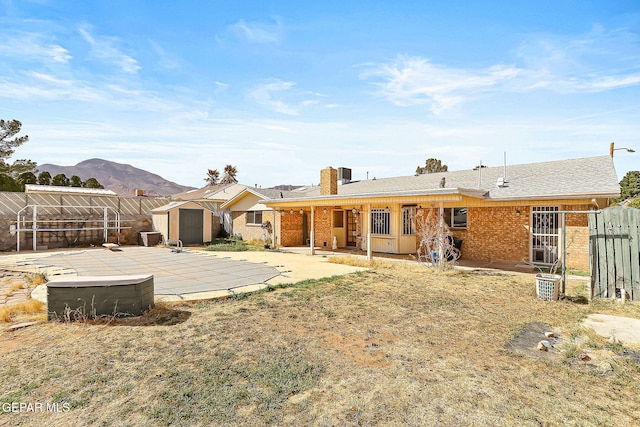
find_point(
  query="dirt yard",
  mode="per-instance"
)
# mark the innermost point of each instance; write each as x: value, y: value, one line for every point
x: 397, y: 345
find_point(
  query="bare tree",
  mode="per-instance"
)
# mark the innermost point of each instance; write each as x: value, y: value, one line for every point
x: 437, y: 246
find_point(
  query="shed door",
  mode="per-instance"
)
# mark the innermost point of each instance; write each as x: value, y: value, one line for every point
x: 191, y: 226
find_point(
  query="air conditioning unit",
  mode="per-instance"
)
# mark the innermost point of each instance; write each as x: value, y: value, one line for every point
x: 344, y: 175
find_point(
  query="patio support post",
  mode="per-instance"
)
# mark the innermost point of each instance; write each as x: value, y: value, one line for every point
x: 564, y: 253
x: 441, y: 234
x: 368, y: 232
x: 34, y: 227
x: 312, y: 235
x: 273, y: 239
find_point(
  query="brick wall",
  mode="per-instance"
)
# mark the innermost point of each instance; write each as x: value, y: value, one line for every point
x: 496, y: 234
x: 322, y: 227
x: 578, y: 248
x: 247, y: 231
x: 291, y: 232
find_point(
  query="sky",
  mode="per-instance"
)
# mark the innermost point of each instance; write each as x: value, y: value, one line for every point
x: 282, y: 89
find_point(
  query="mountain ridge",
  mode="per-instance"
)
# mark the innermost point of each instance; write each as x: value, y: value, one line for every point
x: 122, y: 178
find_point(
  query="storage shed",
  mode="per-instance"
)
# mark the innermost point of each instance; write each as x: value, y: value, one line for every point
x: 192, y: 222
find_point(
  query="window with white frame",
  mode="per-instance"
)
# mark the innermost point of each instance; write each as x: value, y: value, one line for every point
x: 408, y: 220
x: 456, y: 217
x: 380, y: 221
x: 254, y: 218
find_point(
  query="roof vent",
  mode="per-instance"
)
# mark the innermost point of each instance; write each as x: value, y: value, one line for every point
x: 501, y: 182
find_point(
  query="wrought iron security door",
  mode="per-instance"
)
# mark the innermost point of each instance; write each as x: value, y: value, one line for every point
x: 545, y: 227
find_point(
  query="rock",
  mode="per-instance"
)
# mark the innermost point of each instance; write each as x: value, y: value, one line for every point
x: 605, y: 367
x: 614, y: 340
x: 579, y: 341
x: 584, y: 357
x: 549, y: 334
x: 544, y: 345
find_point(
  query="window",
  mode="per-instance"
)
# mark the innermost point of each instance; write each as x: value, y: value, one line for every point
x: 338, y: 219
x: 456, y: 217
x: 380, y: 221
x: 254, y: 217
x: 408, y: 220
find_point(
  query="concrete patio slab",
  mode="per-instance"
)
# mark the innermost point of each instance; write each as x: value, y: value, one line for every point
x: 187, y: 275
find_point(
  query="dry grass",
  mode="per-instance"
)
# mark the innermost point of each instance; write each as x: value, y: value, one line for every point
x: 397, y: 345
x: 26, y: 311
x: 359, y: 261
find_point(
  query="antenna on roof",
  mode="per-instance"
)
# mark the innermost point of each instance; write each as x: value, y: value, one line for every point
x: 479, y: 169
x: 502, y: 181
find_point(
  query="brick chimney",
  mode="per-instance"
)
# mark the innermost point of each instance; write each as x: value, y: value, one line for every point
x: 328, y: 181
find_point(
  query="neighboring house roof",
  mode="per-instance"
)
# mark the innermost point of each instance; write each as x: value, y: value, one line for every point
x: 575, y: 178
x: 198, y: 193
x: 36, y: 188
x: 260, y: 193
x: 212, y: 206
x: 227, y: 192
x: 219, y: 193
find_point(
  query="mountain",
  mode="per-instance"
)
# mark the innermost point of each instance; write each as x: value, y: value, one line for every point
x: 122, y: 178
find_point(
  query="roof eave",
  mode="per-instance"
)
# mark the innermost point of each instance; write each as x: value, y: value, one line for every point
x: 555, y: 196
x: 408, y: 193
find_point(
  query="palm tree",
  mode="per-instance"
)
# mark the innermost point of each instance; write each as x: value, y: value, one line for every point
x: 230, y: 173
x: 213, y: 177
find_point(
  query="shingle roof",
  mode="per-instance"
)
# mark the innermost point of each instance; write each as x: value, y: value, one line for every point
x: 212, y: 206
x: 585, y: 177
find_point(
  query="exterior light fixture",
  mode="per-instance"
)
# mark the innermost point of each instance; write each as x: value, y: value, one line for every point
x: 301, y: 211
x: 324, y: 211
x: 517, y: 212
x: 291, y: 211
x: 612, y: 149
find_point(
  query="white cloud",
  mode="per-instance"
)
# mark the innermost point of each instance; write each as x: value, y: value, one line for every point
x: 282, y: 97
x: 105, y: 49
x: 33, y: 46
x: 599, y: 60
x: 257, y: 32
x: 166, y: 60
x: 413, y: 80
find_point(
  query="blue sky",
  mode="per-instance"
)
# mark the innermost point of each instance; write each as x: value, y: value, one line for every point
x: 282, y: 89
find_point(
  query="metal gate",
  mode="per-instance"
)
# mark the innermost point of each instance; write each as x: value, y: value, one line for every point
x: 544, y: 235
x: 614, y: 239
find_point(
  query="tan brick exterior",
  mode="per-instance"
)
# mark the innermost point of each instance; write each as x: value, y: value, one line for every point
x: 496, y: 234
x: 255, y: 231
x: 578, y: 248
x: 493, y: 234
x: 291, y: 232
x: 328, y: 181
x: 322, y: 226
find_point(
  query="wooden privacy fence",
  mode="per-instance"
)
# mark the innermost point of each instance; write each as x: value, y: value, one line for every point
x: 614, y: 239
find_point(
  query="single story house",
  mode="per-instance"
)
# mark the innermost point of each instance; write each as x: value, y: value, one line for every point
x: 509, y: 213
x: 252, y: 220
